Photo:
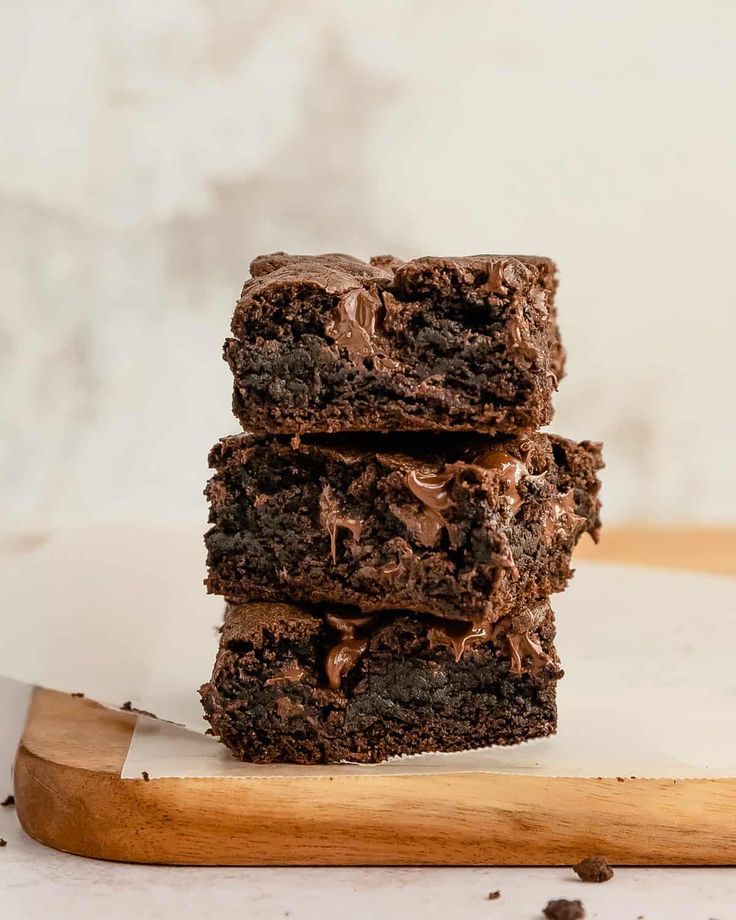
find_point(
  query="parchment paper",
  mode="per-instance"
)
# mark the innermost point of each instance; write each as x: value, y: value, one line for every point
x: 119, y: 614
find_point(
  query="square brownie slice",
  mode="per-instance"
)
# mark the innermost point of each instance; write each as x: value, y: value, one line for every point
x: 330, y: 344
x: 305, y: 686
x: 470, y: 527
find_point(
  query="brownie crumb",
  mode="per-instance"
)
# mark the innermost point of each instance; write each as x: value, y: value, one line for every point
x: 129, y: 707
x: 3, y: 843
x: 620, y: 779
x: 9, y: 800
x: 593, y: 869
x: 494, y: 895
x: 564, y: 910
x: 78, y: 695
x: 146, y: 777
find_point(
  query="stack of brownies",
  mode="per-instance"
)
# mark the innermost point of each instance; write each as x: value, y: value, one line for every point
x: 388, y: 533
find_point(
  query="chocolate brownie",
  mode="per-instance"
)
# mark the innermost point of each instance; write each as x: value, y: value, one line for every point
x: 325, y: 685
x: 465, y: 526
x: 330, y: 343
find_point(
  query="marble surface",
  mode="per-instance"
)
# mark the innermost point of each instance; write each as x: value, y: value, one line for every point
x: 151, y: 149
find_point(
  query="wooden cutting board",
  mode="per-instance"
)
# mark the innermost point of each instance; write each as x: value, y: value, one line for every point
x: 69, y: 794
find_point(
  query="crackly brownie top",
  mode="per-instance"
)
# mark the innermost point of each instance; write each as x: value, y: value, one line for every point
x: 338, y: 273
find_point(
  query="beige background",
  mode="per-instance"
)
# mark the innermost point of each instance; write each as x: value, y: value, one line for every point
x: 149, y: 150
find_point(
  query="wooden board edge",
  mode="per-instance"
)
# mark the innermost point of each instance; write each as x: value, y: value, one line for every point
x: 463, y: 819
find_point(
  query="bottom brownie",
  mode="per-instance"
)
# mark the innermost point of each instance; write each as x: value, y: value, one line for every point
x: 295, y: 685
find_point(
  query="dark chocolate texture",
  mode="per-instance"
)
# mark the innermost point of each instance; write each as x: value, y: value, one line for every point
x: 281, y: 692
x: 469, y: 527
x: 330, y: 343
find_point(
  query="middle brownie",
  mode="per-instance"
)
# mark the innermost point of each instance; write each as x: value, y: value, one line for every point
x: 465, y: 526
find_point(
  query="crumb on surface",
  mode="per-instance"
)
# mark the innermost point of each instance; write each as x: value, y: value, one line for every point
x: 493, y: 895
x: 78, y: 695
x: 8, y: 801
x: 3, y: 842
x: 129, y: 707
x: 146, y: 777
x: 593, y: 869
x: 562, y: 909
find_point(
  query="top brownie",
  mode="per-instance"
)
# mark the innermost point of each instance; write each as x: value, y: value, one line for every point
x: 330, y: 343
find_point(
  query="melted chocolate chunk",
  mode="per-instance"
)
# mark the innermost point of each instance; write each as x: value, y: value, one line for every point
x: 332, y: 520
x: 430, y: 489
x: 522, y: 646
x: 355, y: 325
x: 562, y: 520
x: 341, y: 658
x: 512, y: 471
x: 458, y: 636
x: 354, y: 637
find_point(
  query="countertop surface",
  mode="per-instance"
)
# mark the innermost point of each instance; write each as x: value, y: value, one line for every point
x: 36, y: 882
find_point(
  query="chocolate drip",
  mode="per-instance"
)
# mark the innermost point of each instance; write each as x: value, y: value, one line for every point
x: 347, y: 651
x: 332, y: 520
x: 521, y: 646
x: 355, y: 325
x: 562, y: 519
x: 291, y: 674
x: 512, y: 471
x: 458, y: 636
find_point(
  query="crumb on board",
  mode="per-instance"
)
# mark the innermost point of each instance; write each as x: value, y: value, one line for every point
x: 493, y: 895
x: 8, y: 801
x: 3, y: 842
x: 78, y: 695
x: 146, y: 777
x: 593, y: 869
x: 129, y: 707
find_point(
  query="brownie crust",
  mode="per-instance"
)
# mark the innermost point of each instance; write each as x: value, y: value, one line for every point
x: 296, y: 685
x: 330, y: 343
x: 469, y: 527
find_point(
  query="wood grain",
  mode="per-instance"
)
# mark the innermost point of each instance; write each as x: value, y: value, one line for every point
x: 69, y: 794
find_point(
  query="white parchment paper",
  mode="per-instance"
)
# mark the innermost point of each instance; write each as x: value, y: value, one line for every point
x: 120, y: 614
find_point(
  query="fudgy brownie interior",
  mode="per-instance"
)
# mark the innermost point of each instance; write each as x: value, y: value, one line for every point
x: 464, y: 526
